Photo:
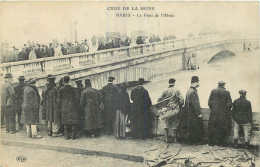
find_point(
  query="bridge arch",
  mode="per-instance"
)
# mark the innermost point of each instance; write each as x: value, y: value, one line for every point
x: 221, y: 55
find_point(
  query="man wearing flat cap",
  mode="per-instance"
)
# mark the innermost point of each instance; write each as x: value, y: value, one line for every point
x: 172, y: 101
x: 141, y: 114
x: 7, y: 104
x: 242, y: 116
x: 220, y: 104
x: 109, y: 94
x: 191, y: 123
x: 30, y: 109
x: 19, y: 99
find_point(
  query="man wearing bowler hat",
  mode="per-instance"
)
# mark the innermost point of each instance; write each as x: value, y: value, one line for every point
x: 109, y: 93
x: 191, y: 123
x: 242, y: 116
x: 19, y: 99
x: 220, y: 104
x: 7, y: 104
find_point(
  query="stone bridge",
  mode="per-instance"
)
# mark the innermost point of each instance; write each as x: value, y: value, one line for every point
x: 128, y: 63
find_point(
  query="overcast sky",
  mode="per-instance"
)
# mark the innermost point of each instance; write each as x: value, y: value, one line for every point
x: 43, y: 21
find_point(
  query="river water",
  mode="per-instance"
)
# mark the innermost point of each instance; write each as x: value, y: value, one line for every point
x: 239, y: 72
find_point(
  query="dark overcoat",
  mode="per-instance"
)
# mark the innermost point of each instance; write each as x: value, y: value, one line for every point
x: 190, y: 124
x: 67, y: 103
x: 109, y: 98
x: 50, y: 103
x: 90, y: 103
x: 19, y: 95
x: 242, y: 111
x: 220, y: 104
x: 123, y: 103
x: 141, y: 118
x: 31, y: 104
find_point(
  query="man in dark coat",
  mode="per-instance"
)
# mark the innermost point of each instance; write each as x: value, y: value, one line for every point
x: 44, y: 51
x: 49, y: 106
x: 109, y: 94
x: 67, y: 103
x: 191, y: 123
x: 30, y: 109
x: 7, y: 104
x: 50, y: 50
x: 19, y: 99
x: 141, y: 111
x: 90, y: 103
x: 38, y: 51
x: 79, y: 89
x: 242, y: 116
x: 22, y: 55
x: 220, y: 104
x: 63, y: 49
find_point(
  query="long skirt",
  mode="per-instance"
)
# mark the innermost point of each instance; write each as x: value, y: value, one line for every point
x: 119, y: 128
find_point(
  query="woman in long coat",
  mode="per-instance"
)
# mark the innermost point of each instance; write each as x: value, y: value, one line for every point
x: 90, y: 102
x: 30, y: 109
x: 122, y: 111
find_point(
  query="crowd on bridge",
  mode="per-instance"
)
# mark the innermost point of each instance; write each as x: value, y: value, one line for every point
x: 71, y: 111
x: 32, y: 51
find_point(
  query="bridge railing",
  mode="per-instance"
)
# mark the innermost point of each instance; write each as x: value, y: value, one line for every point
x: 81, y: 60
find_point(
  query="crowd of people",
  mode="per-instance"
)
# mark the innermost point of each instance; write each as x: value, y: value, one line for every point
x: 113, y: 43
x: 36, y: 51
x: 72, y: 111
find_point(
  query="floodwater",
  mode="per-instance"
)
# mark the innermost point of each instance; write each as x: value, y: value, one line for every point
x: 239, y: 72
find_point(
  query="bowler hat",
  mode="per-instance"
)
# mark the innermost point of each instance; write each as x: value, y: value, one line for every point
x: 172, y: 81
x: 194, y: 79
x: 21, y: 78
x: 242, y: 92
x: 8, y: 75
x: 110, y: 79
x: 87, y: 81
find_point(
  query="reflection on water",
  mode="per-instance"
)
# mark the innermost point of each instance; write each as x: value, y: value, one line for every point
x: 239, y: 72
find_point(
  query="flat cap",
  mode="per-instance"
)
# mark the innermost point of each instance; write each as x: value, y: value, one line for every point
x: 8, y: 75
x: 110, y: 79
x: 87, y: 81
x: 242, y: 92
x: 221, y: 83
x: 78, y: 82
x: 21, y: 78
x: 50, y: 76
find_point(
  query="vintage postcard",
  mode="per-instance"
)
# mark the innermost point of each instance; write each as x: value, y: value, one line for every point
x: 129, y: 83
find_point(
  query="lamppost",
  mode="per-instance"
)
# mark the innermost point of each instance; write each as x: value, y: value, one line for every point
x: 75, y: 26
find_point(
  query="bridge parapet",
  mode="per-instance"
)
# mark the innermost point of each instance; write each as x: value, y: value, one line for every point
x: 45, y: 66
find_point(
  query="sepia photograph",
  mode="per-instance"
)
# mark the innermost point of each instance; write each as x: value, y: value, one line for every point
x: 129, y: 84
